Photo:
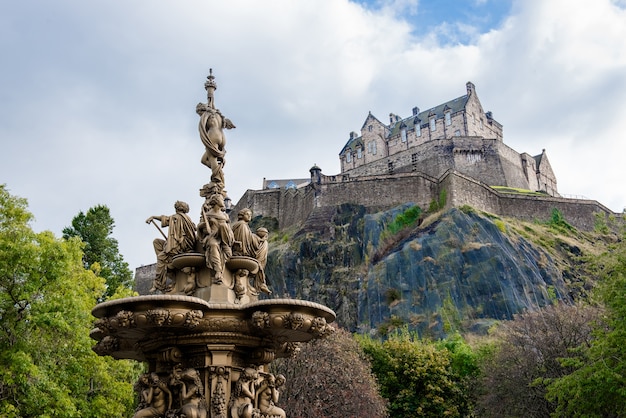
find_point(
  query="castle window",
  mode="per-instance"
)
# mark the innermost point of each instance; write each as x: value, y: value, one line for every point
x: 403, y: 134
x: 290, y: 185
x: 481, y: 123
x: 348, y: 157
x: 359, y: 152
x: 369, y: 128
x: 413, y: 159
x: 433, y: 124
x: 448, y: 119
x: 390, y: 167
x: 371, y: 147
x: 418, y: 129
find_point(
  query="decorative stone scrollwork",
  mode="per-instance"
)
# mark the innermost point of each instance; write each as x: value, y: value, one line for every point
x: 218, y: 397
x: 159, y: 316
x: 319, y: 327
x: 261, y: 319
x: 107, y: 346
x: 123, y: 319
x: 293, y: 320
x: 104, y: 325
x: 291, y: 349
x: 192, y: 318
x: 263, y: 356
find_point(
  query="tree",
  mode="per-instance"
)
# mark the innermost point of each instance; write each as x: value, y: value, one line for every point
x: 596, y: 386
x: 330, y: 378
x: 95, y: 228
x: 423, y: 378
x: 47, y: 367
x: 527, y: 355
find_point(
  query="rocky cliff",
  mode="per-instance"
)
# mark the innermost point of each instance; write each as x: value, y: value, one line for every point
x: 456, y: 270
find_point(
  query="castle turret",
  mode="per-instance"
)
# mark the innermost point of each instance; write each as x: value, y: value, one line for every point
x: 316, y: 174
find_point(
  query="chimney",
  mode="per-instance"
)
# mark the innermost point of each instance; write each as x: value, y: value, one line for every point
x: 416, y: 111
x: 471, y: 89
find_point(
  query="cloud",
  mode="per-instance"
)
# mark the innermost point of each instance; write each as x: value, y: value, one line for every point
x: 98, y: 99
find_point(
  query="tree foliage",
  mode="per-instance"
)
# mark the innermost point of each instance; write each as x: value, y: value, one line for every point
x: 330, y: 378
x: 47, y: 367
x: 423, y: 378
x: 101, y: 251
x: 527, y: 356
x: 597, y: 385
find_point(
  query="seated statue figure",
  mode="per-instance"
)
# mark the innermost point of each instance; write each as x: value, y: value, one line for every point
x: 155, y: 396
x: 191, y: 392
x: 267, y: 396
x: 244, y: 395
x: 252, y: 245
x: 181, y: 237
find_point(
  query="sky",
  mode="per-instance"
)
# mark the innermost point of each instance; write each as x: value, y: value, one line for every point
x: 97, y: 99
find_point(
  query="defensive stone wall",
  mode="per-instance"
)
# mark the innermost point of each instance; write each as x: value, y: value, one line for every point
x: 379, y: 191
x: 288, y: 206
x: 463, y: 190
x: 291, y: 207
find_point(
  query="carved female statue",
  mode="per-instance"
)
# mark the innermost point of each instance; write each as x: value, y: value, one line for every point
x: 181, y: 238
x: 243, y: 395
x: 156, y: 397
x: 252, y: 245
x: 216, y: 236
x: 211, y: 127
x: 192, y: 395
x: 268, y: 396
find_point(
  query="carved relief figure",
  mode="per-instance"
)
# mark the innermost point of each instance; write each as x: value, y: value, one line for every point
x: 181, y: 238
x: 155, y: 396
x: 268, y: 395
x: 243, y: 394
x: 193, y: 403
x: 216, y: 236
x: 252, y: 245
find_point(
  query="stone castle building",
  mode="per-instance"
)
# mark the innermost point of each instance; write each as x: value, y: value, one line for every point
x: 458, y: 135
x: 455, y: 149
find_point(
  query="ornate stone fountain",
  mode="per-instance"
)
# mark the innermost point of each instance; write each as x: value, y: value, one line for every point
x: 204, y: 333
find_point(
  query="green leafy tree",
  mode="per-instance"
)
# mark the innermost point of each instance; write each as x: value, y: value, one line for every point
x: 47, y: 367
x: 423, y: 378
x: 597, y: 385
x: 101, y: 252
x: 330, y: 378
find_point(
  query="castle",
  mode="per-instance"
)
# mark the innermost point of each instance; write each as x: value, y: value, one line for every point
x: 455, y: 149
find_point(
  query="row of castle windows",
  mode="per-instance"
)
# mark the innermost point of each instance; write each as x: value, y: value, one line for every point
x: 371, y: 146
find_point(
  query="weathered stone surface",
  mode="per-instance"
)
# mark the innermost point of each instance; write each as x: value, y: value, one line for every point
x: 460, y: 272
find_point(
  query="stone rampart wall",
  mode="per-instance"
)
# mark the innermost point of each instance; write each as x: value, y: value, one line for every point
x: 289, y: 207
x: 462, y: 190
x: 380, y: 191
x: 292, y: 207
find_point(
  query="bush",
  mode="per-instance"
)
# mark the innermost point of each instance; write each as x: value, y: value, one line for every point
x: 422, y: 378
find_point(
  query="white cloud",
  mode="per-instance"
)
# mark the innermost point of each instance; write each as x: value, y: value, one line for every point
x: 98, y: 99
